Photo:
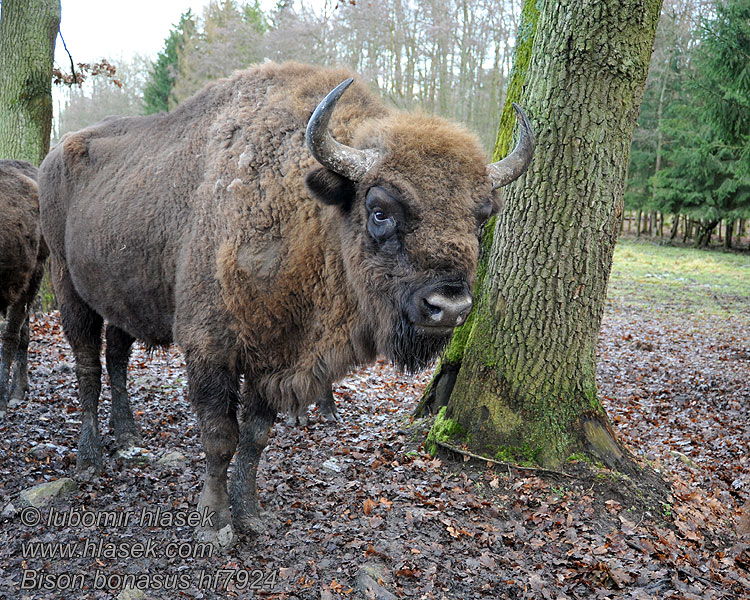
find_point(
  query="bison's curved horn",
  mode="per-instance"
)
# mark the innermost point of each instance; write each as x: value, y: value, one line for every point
x: 512, y: 166
x: 344, y: 160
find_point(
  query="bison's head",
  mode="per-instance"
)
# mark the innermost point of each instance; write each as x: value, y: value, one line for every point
x: 414, y: 193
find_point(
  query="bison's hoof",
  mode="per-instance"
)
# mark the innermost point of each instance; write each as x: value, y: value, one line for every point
x: 222, y: 539
x: 300, y: 420
x: 17, y: 395
x: 329, y: 416
x: 88, y: 471
x: 218, y: 513
x: 89, y: 463
x: 128, y: 439
x: 255, y: 524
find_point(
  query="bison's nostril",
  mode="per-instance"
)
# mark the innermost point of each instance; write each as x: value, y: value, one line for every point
x: 432, y: 310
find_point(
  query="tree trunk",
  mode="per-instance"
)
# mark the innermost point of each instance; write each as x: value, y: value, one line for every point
x: 728, y: 231
x: 526, y: 389
x: 28, y: 29
x: 439, y: 390
x: 638, y: 224
x: 673, y: 230
x: 706, y: 231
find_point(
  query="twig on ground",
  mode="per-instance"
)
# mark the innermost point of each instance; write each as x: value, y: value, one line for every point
x: 501, y: 463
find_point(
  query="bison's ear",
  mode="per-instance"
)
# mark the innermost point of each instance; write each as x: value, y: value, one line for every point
x: 331, y: 188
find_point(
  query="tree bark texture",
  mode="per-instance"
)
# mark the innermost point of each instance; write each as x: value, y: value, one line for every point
x: 526, y: 389
x: 28, y: 29
x: 440, y: 388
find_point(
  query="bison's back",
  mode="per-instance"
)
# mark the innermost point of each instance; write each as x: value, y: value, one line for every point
x: 115, y: 203
x: 19, y: 229
x: 138, y: 208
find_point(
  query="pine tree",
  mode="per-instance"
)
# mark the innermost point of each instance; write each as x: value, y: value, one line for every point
x: 157, y: 95
x: 708, y: 158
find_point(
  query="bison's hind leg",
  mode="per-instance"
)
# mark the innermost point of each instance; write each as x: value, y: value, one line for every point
x: 255, y: 427
x: 11, y: 342
x: 83, y: 328
x: 16, y: 340
x: 20, y: 384
x: 121, y: 422
x: 326, y: 410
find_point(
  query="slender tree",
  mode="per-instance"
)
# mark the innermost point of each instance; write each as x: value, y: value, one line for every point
x: 28, y: 29
x: 526, y: 390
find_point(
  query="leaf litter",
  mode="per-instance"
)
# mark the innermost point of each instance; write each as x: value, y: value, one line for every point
x: 359, y: 510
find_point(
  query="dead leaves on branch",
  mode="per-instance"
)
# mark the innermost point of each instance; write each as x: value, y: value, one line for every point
x: 86, y: 70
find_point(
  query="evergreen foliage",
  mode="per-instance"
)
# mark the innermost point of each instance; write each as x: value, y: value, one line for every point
x: 157, y: 95
x: 691, y: 151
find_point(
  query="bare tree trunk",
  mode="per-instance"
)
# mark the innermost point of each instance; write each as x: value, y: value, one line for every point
x: 526, y: 389
x: 729, y: 229
x: 675, y: 224
x: 28, y: 29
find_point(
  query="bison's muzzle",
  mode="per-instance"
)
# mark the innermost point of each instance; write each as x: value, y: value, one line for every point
x: 440, y: 308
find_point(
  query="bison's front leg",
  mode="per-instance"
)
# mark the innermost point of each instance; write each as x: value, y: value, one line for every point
x: 327, y: 406
x: 255, y: 426
x: 121, y: 420
x: 214, y: 395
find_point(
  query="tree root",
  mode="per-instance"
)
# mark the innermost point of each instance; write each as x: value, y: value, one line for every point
x: 504, y: 464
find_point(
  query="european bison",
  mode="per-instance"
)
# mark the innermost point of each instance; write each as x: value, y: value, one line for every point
x: 275, y: 256
x: 22, y: 256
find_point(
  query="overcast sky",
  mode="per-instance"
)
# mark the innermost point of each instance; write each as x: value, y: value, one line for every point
x: 112, y: 29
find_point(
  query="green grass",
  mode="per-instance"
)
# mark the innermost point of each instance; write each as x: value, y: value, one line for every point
x: 670, y: 278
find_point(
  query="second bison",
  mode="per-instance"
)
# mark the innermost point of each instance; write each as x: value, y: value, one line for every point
x: 276, y: 255
x: 22, y: 257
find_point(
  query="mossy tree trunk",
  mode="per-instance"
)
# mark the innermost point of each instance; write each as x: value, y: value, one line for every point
x: 28, y: 29
x: 526, y: 389
x: 439, y: 390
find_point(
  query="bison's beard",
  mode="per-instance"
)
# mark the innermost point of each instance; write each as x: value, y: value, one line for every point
x: 412, y: 349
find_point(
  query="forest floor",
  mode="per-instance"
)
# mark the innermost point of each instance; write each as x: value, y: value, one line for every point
x: 358, y: 504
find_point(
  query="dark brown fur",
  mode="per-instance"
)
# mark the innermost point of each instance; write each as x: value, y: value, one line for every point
x: 22, y: 256
x: 196, y: 227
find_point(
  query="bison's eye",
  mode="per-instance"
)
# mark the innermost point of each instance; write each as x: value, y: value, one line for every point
x: 384, y: 213
x: 380, y: 225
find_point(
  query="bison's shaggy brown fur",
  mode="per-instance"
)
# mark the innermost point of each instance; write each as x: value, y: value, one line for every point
x: 22, y: 256
x: 213, y: 226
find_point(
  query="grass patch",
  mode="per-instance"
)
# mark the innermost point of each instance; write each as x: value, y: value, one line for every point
x: 680, y: 279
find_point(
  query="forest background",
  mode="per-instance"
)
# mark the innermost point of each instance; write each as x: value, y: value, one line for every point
x: 688, y: 178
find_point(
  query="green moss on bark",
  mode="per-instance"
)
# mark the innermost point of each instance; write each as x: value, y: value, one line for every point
x: 444, y: 430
